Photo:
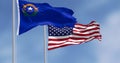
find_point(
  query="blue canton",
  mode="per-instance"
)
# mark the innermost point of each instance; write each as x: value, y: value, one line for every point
x: 56, y: 31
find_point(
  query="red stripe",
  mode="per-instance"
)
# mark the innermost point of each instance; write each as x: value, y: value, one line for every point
x: 73, y: 38
x: 52, y: 44
x: 79, y: 28
x: 59, y: 46
x: 63, y: 39
x: 88, y: 25
x: 91, y: 24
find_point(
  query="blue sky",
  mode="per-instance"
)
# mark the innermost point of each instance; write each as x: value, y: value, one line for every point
x: 30, y: 45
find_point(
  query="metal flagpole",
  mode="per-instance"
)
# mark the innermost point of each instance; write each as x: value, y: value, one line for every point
x: 13, y: 32
x: 45, y: 45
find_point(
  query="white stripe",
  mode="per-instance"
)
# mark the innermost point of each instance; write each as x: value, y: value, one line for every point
x: 79, y: 26
x: 75, y: 29
x: 57, y: 42
x: 91, y: 27
x: 70, y: 43
x: 53, y: 46
x: 58, y: 37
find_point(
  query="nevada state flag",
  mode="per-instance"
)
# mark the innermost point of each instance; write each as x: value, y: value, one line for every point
x: 34, y: 14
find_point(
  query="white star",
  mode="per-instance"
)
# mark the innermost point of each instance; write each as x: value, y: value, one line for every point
x: 30, y: 8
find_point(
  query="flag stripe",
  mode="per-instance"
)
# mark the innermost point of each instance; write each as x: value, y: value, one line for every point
x: 71, y: 41
x: 54, y: 46
x: 74, y: 38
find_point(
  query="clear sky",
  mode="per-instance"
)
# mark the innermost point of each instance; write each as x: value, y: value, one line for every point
x: 30, y: 45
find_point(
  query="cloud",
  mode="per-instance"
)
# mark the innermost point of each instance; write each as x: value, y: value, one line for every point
x: 5, y: 54
x: 94, y: 3
x: 56, y: 55
x: 108, y: 51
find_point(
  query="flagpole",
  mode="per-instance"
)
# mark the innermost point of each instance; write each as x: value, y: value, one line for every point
x: 45, y: 45
x: 13, y: 32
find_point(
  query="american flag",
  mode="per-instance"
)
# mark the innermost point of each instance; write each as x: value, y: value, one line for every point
x: 61, y: 37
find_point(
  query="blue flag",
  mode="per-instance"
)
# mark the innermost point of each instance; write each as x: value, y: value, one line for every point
x: 34, y: 14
